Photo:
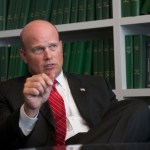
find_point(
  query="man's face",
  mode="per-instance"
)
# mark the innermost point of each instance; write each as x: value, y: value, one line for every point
x: 43, y: 52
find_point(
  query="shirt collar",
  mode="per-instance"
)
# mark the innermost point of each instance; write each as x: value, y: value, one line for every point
x: 61, y: 80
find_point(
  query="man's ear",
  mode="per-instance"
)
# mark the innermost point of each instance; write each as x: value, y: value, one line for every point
x: 23, y: 55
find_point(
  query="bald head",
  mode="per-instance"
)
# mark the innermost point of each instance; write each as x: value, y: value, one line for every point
x: 35, y: 28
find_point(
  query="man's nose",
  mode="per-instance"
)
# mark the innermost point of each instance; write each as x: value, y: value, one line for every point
x: 48, y: 53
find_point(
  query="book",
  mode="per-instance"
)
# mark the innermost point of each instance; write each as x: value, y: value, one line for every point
x: 67, y: 12
x: 23, y: 19
x: 3, y: 13
x: 54, y: 11
x: 32, y: 10
x: 125, y: 8
x: 11, y: 68
x: 79, y: 55
x: 134, y: 7
x: 10, y: 14
x: 90, y: 10
x: 60, y: 12
x: 105, y: 9
x: 140, y: 61
x: 129, y: 61
x: 98, y: 13
x: 100, y: 58
x: 148, y: 63
x: 46, y: 9
x: 66, y: 56
x: 112, y: 64
x: 106, y: 59
x: 20, y: 68
x: 87, y: 63
x: 145, y: 8
x: 74, y: 11
x: 82, y: 9
x: 95, y: 58
x: 72, y: 59
x: 4, y: 62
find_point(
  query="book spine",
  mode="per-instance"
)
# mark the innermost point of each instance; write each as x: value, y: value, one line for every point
x: 98, y: 10
x: 139, y: 61
x: 90, y: 10
x: 67, y: 11
x: 60, y: 12
x: 87, y: 65
x: 125, y: 8
x: 82, y: 10
x: 105, y: 9
x: 95, y: 58
x: 100, y: 58
x: 66, y: 55
x: 129, y: 60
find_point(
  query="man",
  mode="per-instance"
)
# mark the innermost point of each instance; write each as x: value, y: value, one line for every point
x: 93, y: 115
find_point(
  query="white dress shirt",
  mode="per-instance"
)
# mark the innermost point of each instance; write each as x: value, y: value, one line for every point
x: 75, y: 123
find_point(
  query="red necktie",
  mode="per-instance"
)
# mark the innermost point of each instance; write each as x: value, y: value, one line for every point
x: 57, y: 105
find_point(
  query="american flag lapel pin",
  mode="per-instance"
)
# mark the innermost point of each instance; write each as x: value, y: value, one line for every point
x: 82, y: 89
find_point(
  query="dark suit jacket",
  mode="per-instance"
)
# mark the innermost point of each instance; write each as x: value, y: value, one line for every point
x: 92, y: 104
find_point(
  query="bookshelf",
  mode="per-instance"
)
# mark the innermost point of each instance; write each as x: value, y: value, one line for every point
x: 116, y: 27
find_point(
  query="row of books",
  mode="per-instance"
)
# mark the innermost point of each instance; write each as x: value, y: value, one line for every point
x: 135, y: 7
x: 90, y: 57
x: 14, y: 14
x: 137, y: 61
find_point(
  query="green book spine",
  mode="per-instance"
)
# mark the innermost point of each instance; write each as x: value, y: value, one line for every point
x: 135, y: 7
x: 112, y: 64
x: 32, y: 10
x: 20, y: 68
x: 105, y: 9
x: 145, y: 9
x: 38, y: 6
x: 106, y: 59
x: 4, y: 63
x: 24, y: 13
x: 10, y: 15
x: 129, y: 60
x: 54, y: 11
x: 139, y: 61
x: 148, y: 63
x: 66, y: 55
x: 125, y: 8
x: 95, y: 58
x: 100, y: 58
x: 17, y: 13
x: 87, y: 65
x: 82, y: 10
x: 72, y: 58
x: 45, y: 10
x: 74, y: 11
x: 60, y: 12
x: 67, y: 11
x: 98, y: 9
x: 11, y: 69
x: 80, y: 52
x: 3, y: 10
x: 110, y: 9
x: 90, y: 10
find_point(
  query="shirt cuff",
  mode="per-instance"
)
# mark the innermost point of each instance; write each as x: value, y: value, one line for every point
x: 26, y: 123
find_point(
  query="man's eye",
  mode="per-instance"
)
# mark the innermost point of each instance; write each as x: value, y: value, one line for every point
x: 38, y: 50
x: 53, y: 46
